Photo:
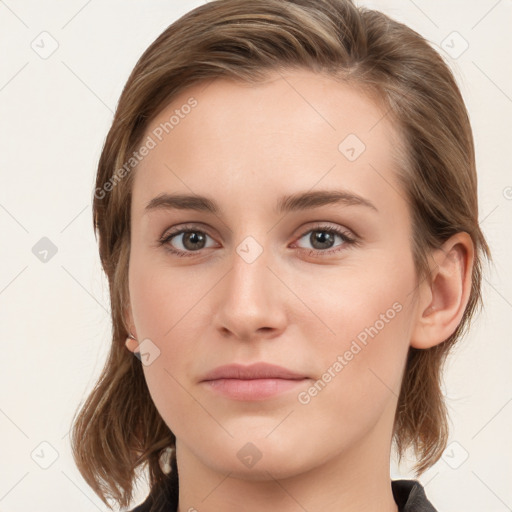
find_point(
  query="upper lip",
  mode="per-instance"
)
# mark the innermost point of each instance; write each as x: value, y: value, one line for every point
x: 253, y: 371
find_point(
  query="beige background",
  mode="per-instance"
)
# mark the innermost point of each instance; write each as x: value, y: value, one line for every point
x: 55, y: 112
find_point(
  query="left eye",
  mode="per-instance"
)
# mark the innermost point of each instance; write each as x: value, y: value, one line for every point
x: 324, y: 238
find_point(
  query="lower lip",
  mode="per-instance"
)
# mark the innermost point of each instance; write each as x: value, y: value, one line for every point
x: 252, y: 389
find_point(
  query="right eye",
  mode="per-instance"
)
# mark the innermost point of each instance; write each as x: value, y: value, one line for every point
x: 187, y: 241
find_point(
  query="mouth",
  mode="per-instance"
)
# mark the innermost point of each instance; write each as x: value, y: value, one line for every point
x: 258, y: 381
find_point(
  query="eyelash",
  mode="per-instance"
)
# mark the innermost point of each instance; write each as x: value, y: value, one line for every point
x: 348, y: 239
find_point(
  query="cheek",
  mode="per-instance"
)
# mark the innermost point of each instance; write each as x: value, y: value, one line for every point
x: 162, y: 298
x: 360, y: 304
x: 359, y: 386
x: 369, y: 314
x: 165, y: 306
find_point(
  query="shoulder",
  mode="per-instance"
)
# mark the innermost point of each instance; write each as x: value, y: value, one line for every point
x: 410, y: 496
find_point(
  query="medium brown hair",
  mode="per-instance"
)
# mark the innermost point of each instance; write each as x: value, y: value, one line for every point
x: 118, y: 431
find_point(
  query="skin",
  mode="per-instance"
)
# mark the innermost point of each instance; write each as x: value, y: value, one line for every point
x: 244, y: 147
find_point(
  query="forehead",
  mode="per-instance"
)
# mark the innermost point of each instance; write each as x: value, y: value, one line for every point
x: 296, y: 130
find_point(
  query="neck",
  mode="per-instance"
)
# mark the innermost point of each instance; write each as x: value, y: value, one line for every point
x: 355, y: 481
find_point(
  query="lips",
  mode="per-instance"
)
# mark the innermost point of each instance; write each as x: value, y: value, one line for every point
x: 256, y: 382
x: 253, y: 371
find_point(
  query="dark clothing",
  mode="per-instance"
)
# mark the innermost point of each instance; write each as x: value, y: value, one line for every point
x: 409, y: 495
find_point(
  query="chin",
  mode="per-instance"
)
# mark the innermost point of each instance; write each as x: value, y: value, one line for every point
x: 257, y: 456
x: 275, y: 466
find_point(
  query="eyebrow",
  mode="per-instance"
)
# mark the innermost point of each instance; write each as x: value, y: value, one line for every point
x: 294, y: 202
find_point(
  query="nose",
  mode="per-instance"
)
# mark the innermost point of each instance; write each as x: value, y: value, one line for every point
x: 250, y: 301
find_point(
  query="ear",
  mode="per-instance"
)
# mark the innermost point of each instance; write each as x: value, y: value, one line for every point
x: 131, y: 344
x: 443, y: 299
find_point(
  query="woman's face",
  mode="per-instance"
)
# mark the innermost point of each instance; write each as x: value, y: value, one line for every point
x: 296, y: 253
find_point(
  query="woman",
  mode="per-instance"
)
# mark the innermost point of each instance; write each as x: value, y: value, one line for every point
x: 287, y: 213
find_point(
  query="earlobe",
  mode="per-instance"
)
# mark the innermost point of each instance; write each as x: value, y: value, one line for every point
x: 131, y: 341
x: 443, y: 300
x: 132, y: 344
